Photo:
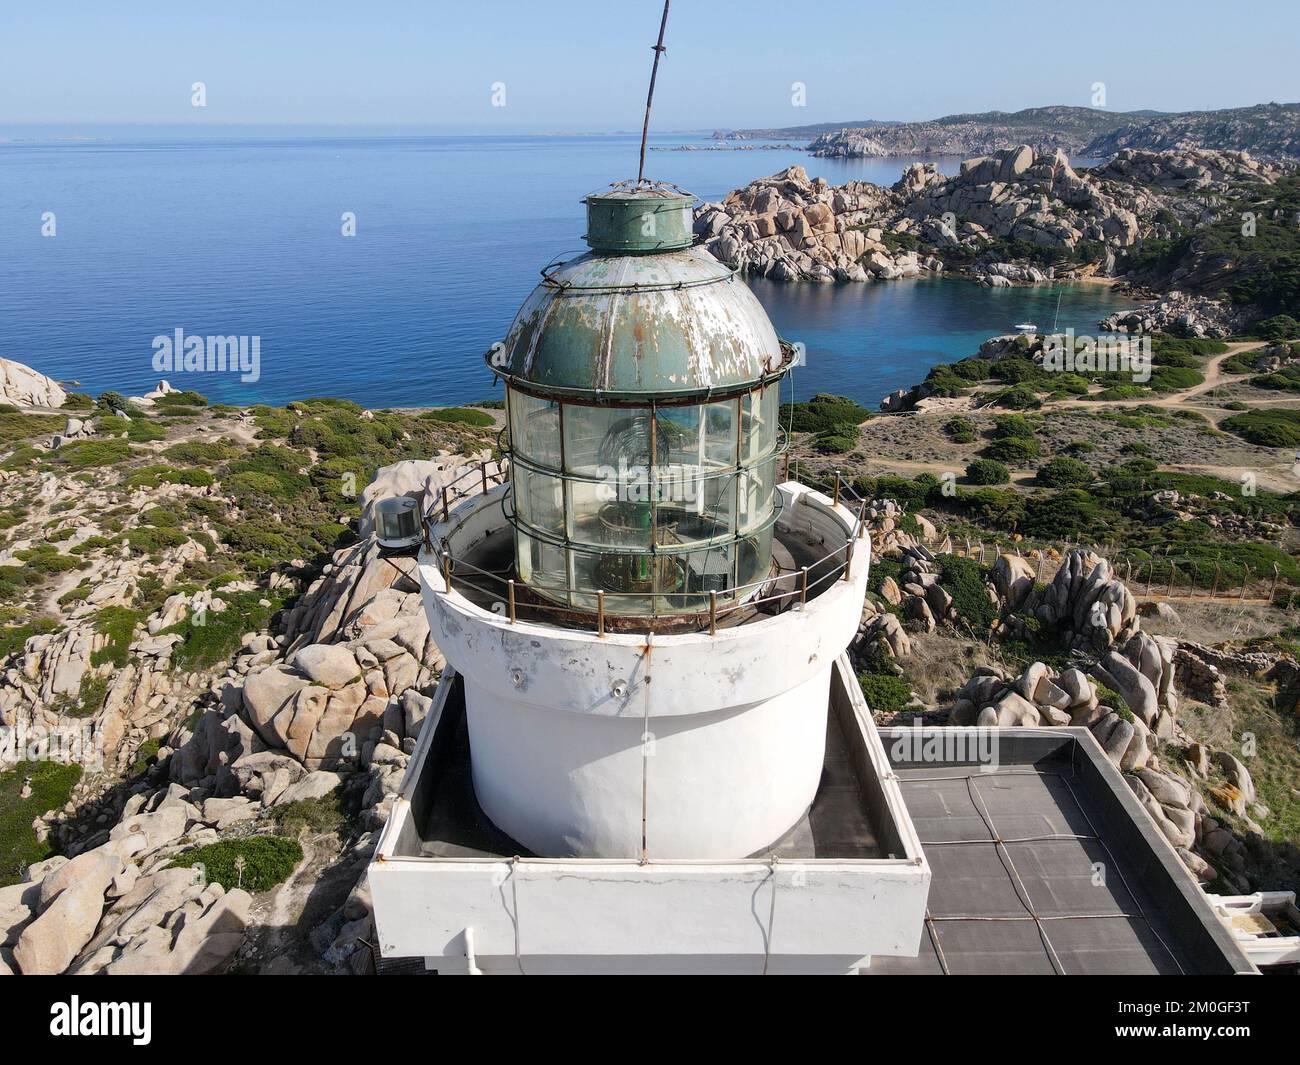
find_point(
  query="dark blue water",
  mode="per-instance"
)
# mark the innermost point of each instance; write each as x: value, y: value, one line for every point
x: 242, y: 237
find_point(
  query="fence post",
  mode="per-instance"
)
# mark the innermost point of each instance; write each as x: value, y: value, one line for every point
x: 1169, y: 594
x: 1277, y: 576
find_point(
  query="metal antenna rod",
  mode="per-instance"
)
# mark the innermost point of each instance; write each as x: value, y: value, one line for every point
x: 659, y: 50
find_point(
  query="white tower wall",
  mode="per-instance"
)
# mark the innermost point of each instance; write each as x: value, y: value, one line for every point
x: 703, y: 746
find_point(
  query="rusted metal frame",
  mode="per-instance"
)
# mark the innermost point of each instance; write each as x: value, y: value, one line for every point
x: 593, y: 397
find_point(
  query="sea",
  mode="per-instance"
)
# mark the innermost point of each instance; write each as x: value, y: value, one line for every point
x: 381, y: 268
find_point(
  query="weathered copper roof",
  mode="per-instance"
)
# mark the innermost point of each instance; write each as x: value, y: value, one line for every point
x: 669, y: 324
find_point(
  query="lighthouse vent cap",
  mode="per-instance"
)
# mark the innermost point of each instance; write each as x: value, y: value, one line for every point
x: 633, y: 218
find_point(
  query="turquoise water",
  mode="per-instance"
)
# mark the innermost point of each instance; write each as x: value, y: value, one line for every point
x: 243, y: 237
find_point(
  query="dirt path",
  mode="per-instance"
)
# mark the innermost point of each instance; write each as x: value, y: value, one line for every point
x: 1214, y: 377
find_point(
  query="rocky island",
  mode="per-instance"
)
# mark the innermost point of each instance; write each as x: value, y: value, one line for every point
x: 1161, y: 220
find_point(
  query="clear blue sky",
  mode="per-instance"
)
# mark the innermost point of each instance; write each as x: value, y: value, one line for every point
x: 575, y: 65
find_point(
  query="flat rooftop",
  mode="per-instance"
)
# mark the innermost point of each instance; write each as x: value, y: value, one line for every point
x: 1041, y: 859
x: 1046, y: 865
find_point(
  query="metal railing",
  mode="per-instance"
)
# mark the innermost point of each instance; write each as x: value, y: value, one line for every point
x: 786, y: 590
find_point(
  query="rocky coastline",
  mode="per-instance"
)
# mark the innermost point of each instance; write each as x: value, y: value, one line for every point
x: 1015, y: 217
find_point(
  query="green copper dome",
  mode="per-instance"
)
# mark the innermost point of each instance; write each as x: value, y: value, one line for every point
x: 645, y: 314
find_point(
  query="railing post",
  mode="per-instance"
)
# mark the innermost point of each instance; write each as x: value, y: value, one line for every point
x: 785, y: 475
x: 836, y: 500
x: 511, y: 586
x: 713, y: 613
x: 600, y: 614
x: 862, y: 519
x: 848, y: 561
x: 446, y: 510
x: 446, y: 571
x: 803, y: 586
x: 482, y: 469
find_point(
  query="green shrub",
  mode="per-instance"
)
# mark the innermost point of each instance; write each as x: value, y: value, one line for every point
x: 885, y: 693
x: 88, y: 700
x: 1174, y: 378
x: 459, y: 415
x: 963, y: 579
x: 13, y: 636
x: 52, y: 784
x: 145, y: 756
x: 987, y: 471
x: 1279, y: 327
x: 78, y: 401
x: 268, y: 860
x: 1120, y: 392
x: 1267, y: 428
x: 1012, y: 425
x: 960, y: 430
x: 325, y: 814
x: 115, y: 403
x: 141, y: 431
x: 1012, y: 450
x: 15, y: 426
x: 150, y: 541
x: 118, y: 624
x: 219, y: 635
x: 1013, y: 371
x: 1064, y: 514
x: 46, y: 560
x: 1018, y: 397
x: 834, y: 444
x: 86, y: 454
x: 200, y: 452
x: 1064, y: 472
x: 824, y: 413
x: 173, y: 400
x: 152, y: 476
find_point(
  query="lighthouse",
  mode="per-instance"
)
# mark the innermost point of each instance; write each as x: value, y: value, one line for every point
x: 648, y: 741
x: 669, y: 699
